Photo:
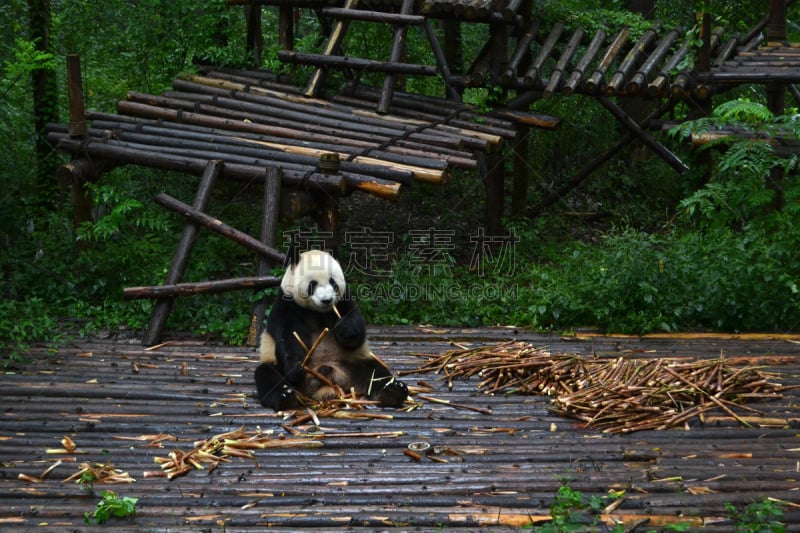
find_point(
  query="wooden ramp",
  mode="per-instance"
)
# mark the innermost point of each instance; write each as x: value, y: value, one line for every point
x: 127, y: 406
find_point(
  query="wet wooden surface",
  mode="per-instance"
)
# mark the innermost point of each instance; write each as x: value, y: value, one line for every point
x: 499, y: 470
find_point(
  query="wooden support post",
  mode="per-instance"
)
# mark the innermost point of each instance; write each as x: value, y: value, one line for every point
x: 519, y: 194
x: 255, y: 39
x: 334, y: 40
x: 286, y: 27
x: 397, y: 55
x: 776, y: 26
x: 45, y: 107
x: 776, y: 32
x: 269, y: 236
x: 453, y: 52
x: 81, y: 195
x: 776, y: 103
x: 494, y: 176
x: 162, y: 308
x: 327, y: 217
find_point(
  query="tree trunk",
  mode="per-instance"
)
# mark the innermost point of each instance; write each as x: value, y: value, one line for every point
x: 45, y: 108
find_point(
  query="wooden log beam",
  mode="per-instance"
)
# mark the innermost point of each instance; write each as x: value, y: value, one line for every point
x: 136, y: 109
x: 522, y: 51
x: 218, y: 227
x: 311, y: 119
x: 626, y: 120
x: 373, y: 16
x: 532, y: 75
x: 355, y: 63
x: 579, y: 177
x: 180, y: 258
x: 577, y: 73
x: 200, y: 287
x: 586, y: 170
x: 404, y: 152
x: 566, y: 56
x: 633, y: 56
x: 333, y: 184
x: 639, y: 79
x: 596, y: 80
x: 398, y: 168
x: 658, y: 85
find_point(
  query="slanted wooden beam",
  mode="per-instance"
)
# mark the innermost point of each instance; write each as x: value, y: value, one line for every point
x: 441, y: 60
x: 338, y: 32
x: 218, y: 227
x: 180, y: 258
x: 586, y: 170
x: 662, y: 151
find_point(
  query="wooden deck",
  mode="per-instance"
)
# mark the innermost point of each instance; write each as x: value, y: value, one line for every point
x: 500, y: 470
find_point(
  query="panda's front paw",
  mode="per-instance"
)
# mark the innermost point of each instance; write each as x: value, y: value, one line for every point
x: 393, y: 394
x: 286, y: 398
x: 349, y: 333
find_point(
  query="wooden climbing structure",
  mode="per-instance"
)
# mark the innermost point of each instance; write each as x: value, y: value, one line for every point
x: 313, y: 145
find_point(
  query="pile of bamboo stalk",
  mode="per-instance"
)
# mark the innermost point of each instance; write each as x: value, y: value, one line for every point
x: 208, y: 453
x: 616, y: 395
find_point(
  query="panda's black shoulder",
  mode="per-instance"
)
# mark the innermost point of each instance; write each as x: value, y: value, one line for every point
x: 285, y: 308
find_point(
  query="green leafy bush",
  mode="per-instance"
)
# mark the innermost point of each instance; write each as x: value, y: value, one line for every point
x: 110, y: 506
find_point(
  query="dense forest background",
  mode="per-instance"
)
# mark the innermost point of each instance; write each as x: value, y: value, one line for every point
x: 637, y: 248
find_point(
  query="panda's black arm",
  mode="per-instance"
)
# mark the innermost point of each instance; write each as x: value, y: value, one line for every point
x: 287, y: 319
x: 350, y: 331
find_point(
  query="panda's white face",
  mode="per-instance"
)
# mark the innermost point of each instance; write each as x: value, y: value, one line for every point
x: 316, y: 282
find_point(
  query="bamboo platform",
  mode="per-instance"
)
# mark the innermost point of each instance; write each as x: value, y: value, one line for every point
x: 126, y: 405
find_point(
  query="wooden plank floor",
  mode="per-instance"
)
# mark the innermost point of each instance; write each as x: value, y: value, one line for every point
x: 504, y: 469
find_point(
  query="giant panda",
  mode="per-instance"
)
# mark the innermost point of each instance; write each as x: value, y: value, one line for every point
x: 313, y: 296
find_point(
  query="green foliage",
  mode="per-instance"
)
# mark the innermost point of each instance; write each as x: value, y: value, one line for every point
x: 738, y: 193
x: 109, y: 506
x: 27, y: 58
x: 674, y: 255
x: 611, y: 16
x: 17, y: 135
x: 757, y: 517
x: 143, y: 45
x: 572, y: 511
x: 23, y: 322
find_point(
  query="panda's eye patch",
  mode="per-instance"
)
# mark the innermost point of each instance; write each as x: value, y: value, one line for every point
x: 312, y: 286
x: 334, y: 285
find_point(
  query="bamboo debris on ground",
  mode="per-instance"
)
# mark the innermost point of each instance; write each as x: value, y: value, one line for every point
x: 617, y: 395
x: 99, y: 473
x: 219, y: 448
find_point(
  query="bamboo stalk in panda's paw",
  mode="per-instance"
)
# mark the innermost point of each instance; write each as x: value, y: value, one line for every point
x: 308, y: 350
x: 325, y: 380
